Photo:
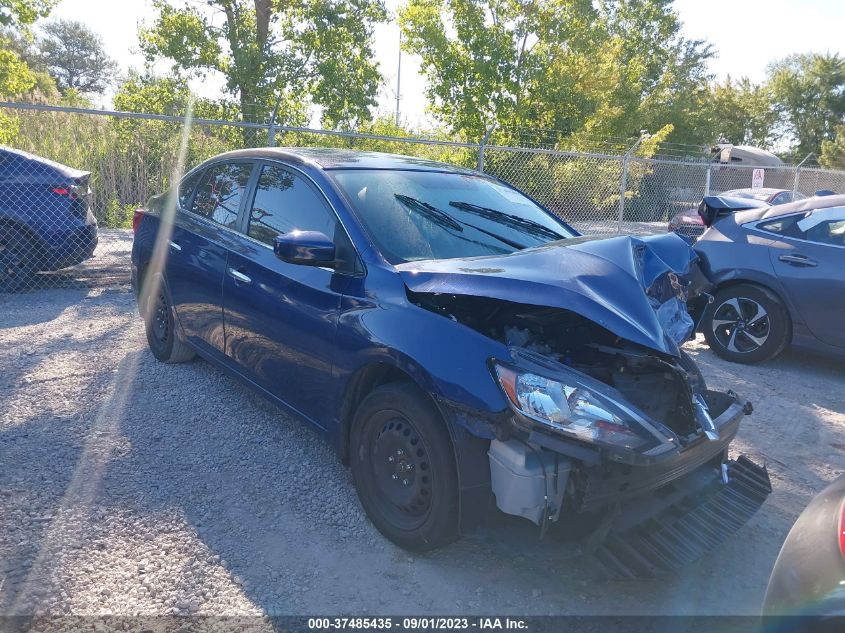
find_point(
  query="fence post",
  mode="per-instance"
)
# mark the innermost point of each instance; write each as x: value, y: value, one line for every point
x: 798, y: 174
x: 706, y: 182
x: 624, y: 184
x: 271, y: 131
x: 482, y: 145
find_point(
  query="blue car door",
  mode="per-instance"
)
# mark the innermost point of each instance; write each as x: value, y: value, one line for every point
x: 809, y: 259
x: 281, y: 317
x: 203, y: 233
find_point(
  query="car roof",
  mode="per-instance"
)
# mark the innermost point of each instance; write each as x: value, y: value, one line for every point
x: 328, y: 158
x: 42, y: 163
x: 749, y: 190
x: 808, y: 204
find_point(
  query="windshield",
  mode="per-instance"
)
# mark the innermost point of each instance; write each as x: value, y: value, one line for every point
x: 752, y: 195
x: 414, y: 215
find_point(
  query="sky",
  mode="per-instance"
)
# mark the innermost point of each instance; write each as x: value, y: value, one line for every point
x: 746, y: 35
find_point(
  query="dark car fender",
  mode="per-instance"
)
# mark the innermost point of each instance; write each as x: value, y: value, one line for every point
x: 387, y: 339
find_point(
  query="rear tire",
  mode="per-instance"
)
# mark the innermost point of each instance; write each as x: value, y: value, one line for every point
x: 17, y: 260
x: 746, y: 324
x: 403, y: 466
x: 162, y: 332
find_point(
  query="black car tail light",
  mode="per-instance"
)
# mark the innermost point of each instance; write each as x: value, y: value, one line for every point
x: 136, y: 219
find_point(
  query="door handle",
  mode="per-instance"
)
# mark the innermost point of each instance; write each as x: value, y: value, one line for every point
x: 798, y: 260
x: 239, y: 276
x: 175, y: 246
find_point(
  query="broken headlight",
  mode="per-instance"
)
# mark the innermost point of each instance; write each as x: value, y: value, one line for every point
x: 574, y: 406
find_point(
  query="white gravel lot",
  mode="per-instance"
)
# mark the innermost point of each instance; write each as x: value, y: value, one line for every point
x: 130, y: 487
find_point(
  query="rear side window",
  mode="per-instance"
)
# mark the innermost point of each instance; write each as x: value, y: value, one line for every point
x: 220, y: 192
x: 828, y: 232
x: 786, y: 226
x: 824, y: 226
x: 285, y: 202
x: 187, y: 187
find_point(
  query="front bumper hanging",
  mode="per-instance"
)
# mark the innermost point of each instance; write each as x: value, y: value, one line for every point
x: 689, y: 527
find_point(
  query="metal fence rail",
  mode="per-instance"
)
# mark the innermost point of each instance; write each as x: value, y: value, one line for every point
x: 131, y: 156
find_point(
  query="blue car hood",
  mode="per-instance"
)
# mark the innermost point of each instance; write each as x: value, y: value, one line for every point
x: 631, y: 286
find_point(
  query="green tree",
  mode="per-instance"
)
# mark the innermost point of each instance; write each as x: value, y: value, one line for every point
x: 16, y: 16
x: 292, y: 53
x: 74, y: 56
x: 16, y: 78
x: 833, y: 151
x: 607, y: 67
x: 20, y: 14
x: 20, y: 72
x: 742, y: 113
x: 809, y: 91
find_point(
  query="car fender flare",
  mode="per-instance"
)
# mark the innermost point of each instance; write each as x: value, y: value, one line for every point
x: 25, y: 230
x: 469, y: 448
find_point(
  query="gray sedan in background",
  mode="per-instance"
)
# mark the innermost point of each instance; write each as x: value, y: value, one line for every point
x: 779, y: 278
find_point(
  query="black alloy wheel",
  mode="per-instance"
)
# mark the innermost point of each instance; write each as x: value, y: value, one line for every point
x: 746, y: 324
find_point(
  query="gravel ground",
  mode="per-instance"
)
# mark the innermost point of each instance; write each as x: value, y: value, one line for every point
x: 131, y: 487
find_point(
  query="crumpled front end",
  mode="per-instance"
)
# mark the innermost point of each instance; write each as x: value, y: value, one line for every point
x: 607, y: 415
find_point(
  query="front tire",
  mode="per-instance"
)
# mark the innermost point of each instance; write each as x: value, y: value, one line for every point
x: 746, y: 324
x: 160, y: 324
x: 403, y: 467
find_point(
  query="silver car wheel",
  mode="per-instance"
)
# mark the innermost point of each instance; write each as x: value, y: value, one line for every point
x: 741, y: 325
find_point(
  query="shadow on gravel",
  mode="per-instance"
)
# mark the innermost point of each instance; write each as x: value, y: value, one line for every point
x: 51, y: 303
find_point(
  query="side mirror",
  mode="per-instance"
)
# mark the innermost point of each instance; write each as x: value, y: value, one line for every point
x: 307, y: 248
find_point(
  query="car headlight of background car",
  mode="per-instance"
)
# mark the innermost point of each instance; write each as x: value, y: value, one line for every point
x: 570, y: 404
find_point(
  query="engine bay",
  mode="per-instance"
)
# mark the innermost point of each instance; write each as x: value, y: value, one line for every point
x: 661, y: 386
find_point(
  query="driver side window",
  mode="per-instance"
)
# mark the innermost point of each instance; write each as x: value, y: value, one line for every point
x: 285, y: 202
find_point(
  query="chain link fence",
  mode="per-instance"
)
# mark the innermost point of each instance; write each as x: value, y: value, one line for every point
x: 71, y: 179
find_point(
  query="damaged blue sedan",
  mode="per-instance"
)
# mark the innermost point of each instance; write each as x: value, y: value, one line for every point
x: 462, y: 347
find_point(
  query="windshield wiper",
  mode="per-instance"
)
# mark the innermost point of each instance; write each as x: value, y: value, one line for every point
x: 444, y: 219
x: 530, y: 226
x: 502, y: 239
x: 429, y: 211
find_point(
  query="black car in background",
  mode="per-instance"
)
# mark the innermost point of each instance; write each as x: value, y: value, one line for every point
x: 46, y: 222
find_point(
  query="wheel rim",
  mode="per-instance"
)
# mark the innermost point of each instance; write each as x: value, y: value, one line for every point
x: 11, y: 263
x: 401, y: 471
x: 741, y: 325
x: 161, y: 319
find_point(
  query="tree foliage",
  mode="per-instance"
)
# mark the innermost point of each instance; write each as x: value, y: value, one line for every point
x: 74, y: 56
x: 743, y: 113
x: 607, y: 67
x: 809, y: 93
x: 291, y: 53
x: 18, y: 14
x: 833, y: 151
